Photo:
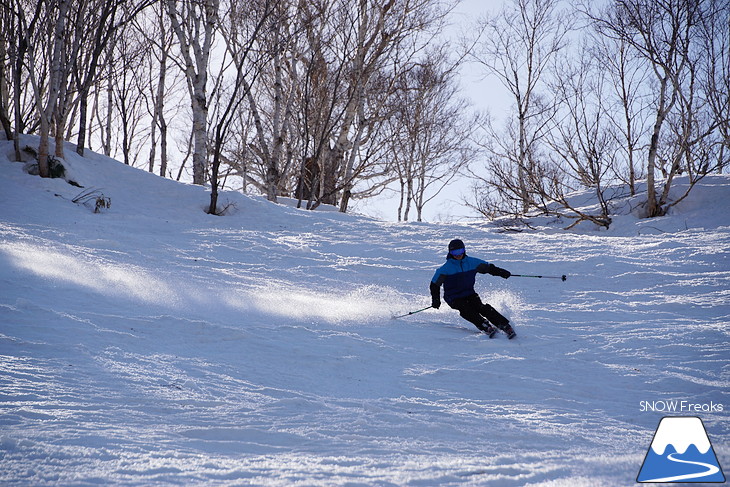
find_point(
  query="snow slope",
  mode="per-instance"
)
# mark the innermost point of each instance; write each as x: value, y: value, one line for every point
x: 153, y: 344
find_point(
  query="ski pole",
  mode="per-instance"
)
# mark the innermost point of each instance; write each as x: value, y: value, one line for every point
x: 563, y: 277
x: 413, y: 312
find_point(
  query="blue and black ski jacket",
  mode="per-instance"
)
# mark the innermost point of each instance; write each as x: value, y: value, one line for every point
x: 458, y: 277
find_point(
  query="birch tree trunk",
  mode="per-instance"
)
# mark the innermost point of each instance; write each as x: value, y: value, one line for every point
x: 158, y: 115
x: 272, y: 114
x: 17, y: 55
x: 46, y: 112
x: 371, y: 44
x: 189, y: 25
x: 107, y: 140
x: 664, y: 106
x: 661, y: 33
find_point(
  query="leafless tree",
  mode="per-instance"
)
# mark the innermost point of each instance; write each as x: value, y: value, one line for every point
x: 194, y: 23
x: 378, y: 31
x: 102, y: 113
x: 121, y: 114
x: 319, y: 117
x: 431, y: 133
x: 61, y: 63
x: 97, y: 22
x: 271, y: 105
x: 241, y: 29
x: 320, y: 95
x: 7, y: 52
x: 663, y: 32
x: 518, y: 47
x: 163, y: 43
x: 714, y: 80
x: 162, y: 95
x: 582, y: 143
x: 15, y: 43
x: 45, y: 96
x: 616, y: 60
x: 322, y: 108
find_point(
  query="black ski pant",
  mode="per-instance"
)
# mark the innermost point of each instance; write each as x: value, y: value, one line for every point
x: 473, y: 310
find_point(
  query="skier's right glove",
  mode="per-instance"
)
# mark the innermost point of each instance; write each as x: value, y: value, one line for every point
x: 435, y: 295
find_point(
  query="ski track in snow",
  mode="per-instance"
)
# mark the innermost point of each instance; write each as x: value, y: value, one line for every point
x: 156, y: 345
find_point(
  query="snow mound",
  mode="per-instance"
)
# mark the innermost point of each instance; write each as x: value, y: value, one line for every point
x: 701, y: 209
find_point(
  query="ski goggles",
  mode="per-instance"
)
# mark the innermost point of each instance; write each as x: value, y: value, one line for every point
x: 457, y: 252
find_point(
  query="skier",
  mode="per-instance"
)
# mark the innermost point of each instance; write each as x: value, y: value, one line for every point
x: 458, y: 275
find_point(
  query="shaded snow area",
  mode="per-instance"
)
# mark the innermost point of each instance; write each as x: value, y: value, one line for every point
x: 153, y: 344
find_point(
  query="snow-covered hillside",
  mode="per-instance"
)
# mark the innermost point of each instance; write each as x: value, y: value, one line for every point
x: 153, y: 344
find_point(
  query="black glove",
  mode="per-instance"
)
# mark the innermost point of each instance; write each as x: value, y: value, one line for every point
x: 435, y: 295
x: 498, y: 271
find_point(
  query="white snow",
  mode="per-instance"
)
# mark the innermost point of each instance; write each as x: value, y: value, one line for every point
x: 153, y: 344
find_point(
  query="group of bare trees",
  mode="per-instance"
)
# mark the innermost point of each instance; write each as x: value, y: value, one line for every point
x: 51, y: 56
x: 602, y: 93
x: 300, y: 98
x: 326, y: 100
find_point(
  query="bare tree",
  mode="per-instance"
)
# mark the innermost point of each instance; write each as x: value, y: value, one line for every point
x: 375, y: 42
x: 103, y: 95
x: 271, y: 106
x: 162, y: 45
x: 242, y: 28
x: 518, y: 47
x: 61, y: 63
x: 154, y: 25
x: 16, y: 39
x: 97, y: 23
x: 7, y: 38
x: 715, y: 80
x: 581, y: 141
x: 365, y: 48
x: 321, y: 94
x: 662, y: 32
x: 125, y: 108
x: 628, y: 76
x: 430, y: 137
x: 327, y: 84
x: 371, y: 45
x: 194, y: 23
x: 45, y: 96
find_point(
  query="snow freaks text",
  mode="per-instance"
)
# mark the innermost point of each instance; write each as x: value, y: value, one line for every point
x: 679, y: 406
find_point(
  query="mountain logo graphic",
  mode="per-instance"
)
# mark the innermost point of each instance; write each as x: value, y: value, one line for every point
x: 680, y: 452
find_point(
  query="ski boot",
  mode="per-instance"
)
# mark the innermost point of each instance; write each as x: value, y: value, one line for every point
x: 487, y: 328
x: 509, y: 331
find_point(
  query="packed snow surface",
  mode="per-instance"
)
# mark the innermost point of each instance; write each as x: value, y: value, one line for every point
x: 154, y: 344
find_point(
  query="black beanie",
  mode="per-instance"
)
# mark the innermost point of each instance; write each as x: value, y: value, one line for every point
x: 456, y: 244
